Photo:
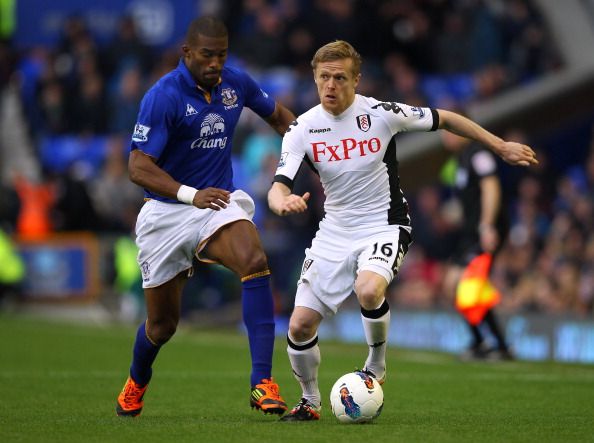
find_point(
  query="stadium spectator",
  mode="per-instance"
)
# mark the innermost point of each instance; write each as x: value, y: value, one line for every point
x: 333, y: 19
x: 420, y: 281
x: 37, y: 201
x: 9, y: 208
x: 453, y: 46
x: 589, y: 168
x: 53, y: 107
x: 89, y: 107
x: 434, y: 229
x: 127, y: 50
x: 366, y: 230
x: 266, y: 37
x: 8, y: 60
x: 181, y: 156
x: 124, y: 99
x: 116, y: 199
x: 73, y: 208
x: 403, y: 80
x: 586, y: 284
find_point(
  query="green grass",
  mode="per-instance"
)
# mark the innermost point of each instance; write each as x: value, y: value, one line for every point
x: 58, y: 383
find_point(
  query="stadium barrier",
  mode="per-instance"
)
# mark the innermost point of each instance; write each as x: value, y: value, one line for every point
x: 61, y: 267
x: 533, y: 337
x: 70, y: 267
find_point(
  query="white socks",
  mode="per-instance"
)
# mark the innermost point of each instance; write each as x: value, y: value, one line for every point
x: 376, y: 324
x: 305, y: 360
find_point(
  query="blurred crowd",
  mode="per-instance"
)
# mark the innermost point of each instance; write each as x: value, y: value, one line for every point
x: 79, y: 99
x: 547, y: 260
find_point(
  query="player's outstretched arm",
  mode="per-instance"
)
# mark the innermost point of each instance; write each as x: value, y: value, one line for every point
x: 282, y: 202
x: 511, y: 152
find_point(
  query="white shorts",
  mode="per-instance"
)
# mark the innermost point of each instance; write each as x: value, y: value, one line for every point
x: 168, y: 235
x: 336, y: 257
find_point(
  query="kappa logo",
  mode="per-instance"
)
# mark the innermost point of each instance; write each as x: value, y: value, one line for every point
x: 390, y: 106
x: 319, y: 131
x: 190, y: 110
x: 140, y: 133
x: 293, y: 123
x: 399, y: 259
x: 364, y: 122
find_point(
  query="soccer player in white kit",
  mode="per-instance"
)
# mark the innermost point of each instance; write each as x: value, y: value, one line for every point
x: 348, y: 139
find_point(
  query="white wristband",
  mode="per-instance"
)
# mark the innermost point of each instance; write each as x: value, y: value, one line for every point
x: 185, y: 194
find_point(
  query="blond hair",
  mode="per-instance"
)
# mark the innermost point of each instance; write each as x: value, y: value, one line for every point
x: 338, y: 50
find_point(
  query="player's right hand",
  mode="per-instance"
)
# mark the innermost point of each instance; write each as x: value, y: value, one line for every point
x: 212, y: 198
x: 517, y: 154
x: 294, y: 204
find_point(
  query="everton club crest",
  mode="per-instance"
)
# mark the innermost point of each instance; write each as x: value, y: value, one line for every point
x: 364, y: 122
x: 229, y: 96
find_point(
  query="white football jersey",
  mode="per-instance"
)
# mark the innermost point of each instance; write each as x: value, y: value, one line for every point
x: 354, y: 154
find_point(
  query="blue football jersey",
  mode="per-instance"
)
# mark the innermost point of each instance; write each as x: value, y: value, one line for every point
x: 190, y: 132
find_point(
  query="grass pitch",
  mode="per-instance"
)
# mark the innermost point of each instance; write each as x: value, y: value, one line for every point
x: 59, y: 382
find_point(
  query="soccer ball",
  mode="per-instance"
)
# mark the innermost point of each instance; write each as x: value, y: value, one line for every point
x: 356, y: 398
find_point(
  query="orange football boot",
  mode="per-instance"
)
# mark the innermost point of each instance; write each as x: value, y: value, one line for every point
x: 266, y: 398
x: 130, y: 402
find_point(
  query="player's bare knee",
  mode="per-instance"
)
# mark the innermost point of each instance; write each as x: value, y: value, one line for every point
x: 365, y: 289
x: 255, y: 262
x: 301, y: 330
x: 369, y: 294
x: 160, y: 332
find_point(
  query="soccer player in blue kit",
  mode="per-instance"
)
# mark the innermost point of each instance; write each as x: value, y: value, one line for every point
x: 181, y: 155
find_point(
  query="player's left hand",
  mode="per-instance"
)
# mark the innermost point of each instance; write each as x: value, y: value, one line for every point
x: 517, y: 154
x: 294, y: 204
x: 212, y: 198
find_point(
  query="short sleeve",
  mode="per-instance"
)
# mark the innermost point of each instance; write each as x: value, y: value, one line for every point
x: 154, y: 122
x: 292, y: 155
x: 401, y: 117
x: 256, y: 99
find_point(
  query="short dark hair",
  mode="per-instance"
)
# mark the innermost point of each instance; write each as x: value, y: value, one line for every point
x: 208, y: 26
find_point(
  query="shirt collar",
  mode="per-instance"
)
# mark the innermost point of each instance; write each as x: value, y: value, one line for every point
x: 344, y: 114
